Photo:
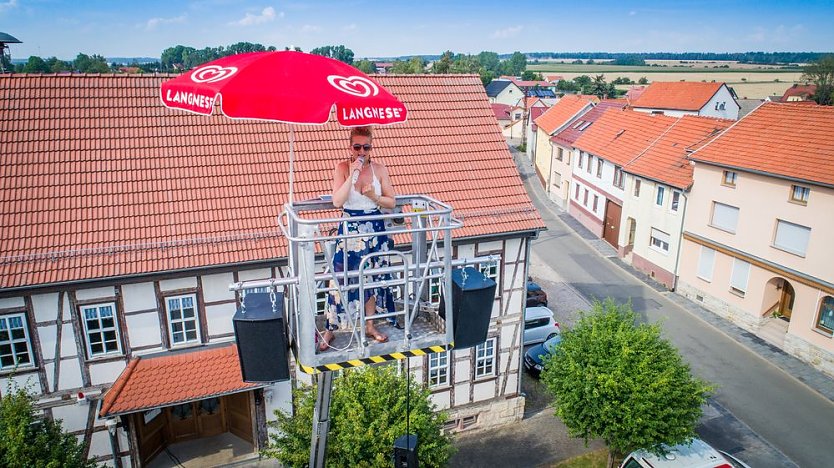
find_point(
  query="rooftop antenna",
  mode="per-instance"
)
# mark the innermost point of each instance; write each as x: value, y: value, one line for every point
x: 5, y: 55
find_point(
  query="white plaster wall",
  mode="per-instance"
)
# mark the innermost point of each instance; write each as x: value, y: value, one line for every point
x: 70, y: 375
x: 216, y: 287
x: 49, y: 336
x: 508, y: 332
x: 49, y: 369
x: 100, y: 444
x: 74, y: 416
x: 22, y: 380
x: 144, y: 329
x: 139, y: 296
x: 68, y: 348
x: 669, y: 112
x: 731, y: 107
x: 462, y: 393
x: 95, y: 293
x: 488, y: 246
x: 45, y: 306
x: 649, y: 215
x: 483, y: 390
x: 105, y: 372
x: 281, y: 399
x: 462, y: 371
x: 12, y: 303
x: 599, y: 213
x: 178, y: 283
x: 466, y: 251
x: 442, y: 400
x: 219, y: 318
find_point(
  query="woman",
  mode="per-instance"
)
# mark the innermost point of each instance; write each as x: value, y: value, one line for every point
x: 360, y: 187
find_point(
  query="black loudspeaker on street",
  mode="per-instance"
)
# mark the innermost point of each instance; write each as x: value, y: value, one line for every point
x: 405, y: 452
x: 473, y: 295
x: 261, y: 339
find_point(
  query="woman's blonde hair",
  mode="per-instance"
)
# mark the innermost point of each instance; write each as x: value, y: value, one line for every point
x: 366, y: 131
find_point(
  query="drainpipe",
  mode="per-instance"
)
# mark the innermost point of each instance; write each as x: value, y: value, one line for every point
x: 112, y: 425
x: 680, y: 240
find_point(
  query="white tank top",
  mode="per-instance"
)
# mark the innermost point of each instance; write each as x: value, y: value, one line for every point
x: 357, y: 201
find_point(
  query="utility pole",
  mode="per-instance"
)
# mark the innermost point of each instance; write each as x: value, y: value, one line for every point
x: 321, y: 420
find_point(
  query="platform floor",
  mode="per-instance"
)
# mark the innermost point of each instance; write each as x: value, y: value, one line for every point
x: 422, y: 331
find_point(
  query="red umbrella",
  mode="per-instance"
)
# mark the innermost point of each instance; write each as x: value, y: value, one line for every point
x: 291, y: 87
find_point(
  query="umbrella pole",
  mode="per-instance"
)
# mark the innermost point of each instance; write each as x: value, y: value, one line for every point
x: 292, y: 157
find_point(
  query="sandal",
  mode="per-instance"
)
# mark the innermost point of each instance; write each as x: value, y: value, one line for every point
x: 324, y: 343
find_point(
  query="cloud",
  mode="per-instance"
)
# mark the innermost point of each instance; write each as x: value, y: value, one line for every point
x: 310, y: 28
x: 505, y: 33
x: 154, y: 22
x: 267, y: 15
x: 632, y: 13
x: 779, y: 35
x: 8, y: 5
x: 350, y: 27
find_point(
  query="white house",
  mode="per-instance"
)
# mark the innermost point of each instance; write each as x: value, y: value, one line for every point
x: 679, y: 98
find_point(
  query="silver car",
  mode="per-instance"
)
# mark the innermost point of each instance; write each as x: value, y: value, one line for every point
x: 539, y: 325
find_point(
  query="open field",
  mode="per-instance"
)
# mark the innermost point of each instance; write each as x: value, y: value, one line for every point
x: 747, y: 83
x: 663, y: 66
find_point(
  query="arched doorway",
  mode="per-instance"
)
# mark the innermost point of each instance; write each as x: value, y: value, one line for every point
x: 778, y: 299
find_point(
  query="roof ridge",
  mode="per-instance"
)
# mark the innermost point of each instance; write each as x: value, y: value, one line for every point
x: 118, y: 386
x: 645, y: 150
x: 727, y: 130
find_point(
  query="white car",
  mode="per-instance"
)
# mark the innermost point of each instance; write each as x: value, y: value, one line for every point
x: 539, y: 325
x: 698, y: 454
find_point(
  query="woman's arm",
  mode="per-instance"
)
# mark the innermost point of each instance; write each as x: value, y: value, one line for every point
x: 341, y: 184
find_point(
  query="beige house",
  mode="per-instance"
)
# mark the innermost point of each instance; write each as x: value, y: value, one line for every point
x: 757, y: 246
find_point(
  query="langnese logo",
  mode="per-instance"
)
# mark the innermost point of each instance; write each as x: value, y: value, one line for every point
x: 212, y: 73
x: 354, y: 85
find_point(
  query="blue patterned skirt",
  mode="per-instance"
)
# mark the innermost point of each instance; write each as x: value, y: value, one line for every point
x: 349, y: 252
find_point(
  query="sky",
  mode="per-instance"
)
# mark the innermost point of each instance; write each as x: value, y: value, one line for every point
x: 126, y: 28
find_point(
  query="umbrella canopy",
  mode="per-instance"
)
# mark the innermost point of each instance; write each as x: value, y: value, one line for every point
x: 288, y: 86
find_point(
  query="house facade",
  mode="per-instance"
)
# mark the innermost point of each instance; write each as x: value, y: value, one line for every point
x: 755, y: 247
x: 504, y: 92
x: 680, y: 98
x: 124, y: 223
x: 556, y: 118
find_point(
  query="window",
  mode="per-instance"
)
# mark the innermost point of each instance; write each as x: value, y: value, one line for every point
x: 581, y: 160
x: 724, y: 217
x: 729, y: 179
x: 632, y: 231
x: 705, y: 263
x: 101, y: 329
x: 599, y: 168
x: 618, y: 177
x: 438, y: 369
x: 536, y: 323
x: 576, y: 194
x: 490, y: 270
x: 658, y: 197
x: 485, y: 358
x: 800, y: 194
x: 183, y: 324
x: 434, y: 291
x: 15, y: 347
x: 791, y: 237
x: 738, y: 280
x: 825, y: 321
x: 585, y: 201
x: 660, y: 240
x: 676, y: 201
x: 596, y: 202
x: 590, y: 163
x: 557, y: 179
x: 637, y: 184
x: 559, y: 154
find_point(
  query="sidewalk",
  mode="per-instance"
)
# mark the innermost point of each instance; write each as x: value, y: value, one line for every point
x: 798, y: 369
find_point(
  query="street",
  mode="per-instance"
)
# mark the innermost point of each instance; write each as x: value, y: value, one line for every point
x: 786, y: 413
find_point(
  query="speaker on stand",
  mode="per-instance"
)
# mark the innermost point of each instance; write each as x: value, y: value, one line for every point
x: 261, y: 338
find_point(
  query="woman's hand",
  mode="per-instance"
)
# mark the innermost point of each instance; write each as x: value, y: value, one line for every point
x: 356, y: 166
x: 368, y: 191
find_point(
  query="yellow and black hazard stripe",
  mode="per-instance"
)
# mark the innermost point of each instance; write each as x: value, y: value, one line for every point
x: 374, y: 359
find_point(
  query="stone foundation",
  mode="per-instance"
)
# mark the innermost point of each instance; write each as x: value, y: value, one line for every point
x: 820, y: 359
x: 730, y: 312
x: 486, y: 415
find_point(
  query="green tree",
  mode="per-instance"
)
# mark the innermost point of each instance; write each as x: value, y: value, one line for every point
x: 367, y: 414
x: 444, y: 64
x: 821, y: 73
x: 84, y: 63
x: 490, y: 61
x: 412, y: 66
x: 36, y: 64
x: 599, y: 87
x: 339, y: 52
x: 516, y: 64
x: 643, y: 80
x: 27, y: 439
x: 622, y: 382
x: 365, y: 66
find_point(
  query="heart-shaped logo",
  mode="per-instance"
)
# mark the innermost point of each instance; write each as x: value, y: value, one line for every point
x: 354, y: 85
x: 212, y: 73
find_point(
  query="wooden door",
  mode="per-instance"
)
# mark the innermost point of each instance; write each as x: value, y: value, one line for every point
x: 611, y: 228
x: 211, y: 419
x: 786, y: 301
x: 240, y: 415
x: 183, y: 422
x: 150, y: 433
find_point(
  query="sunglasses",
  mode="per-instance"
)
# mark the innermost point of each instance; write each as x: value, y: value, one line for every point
x: 358, y: 147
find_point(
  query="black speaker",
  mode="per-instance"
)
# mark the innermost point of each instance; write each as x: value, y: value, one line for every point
x: 261, y: 339
x: 473, y: 295
x: 405, y: 451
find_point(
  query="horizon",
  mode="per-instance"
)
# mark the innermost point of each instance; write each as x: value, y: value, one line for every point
x: 375, y: 29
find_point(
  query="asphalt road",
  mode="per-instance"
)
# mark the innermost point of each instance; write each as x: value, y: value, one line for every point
x: 795, y: 419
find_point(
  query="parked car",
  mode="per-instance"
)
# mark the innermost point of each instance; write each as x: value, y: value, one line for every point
x: 534, y: 357
x: 698, y: 454
x: 535, y: 294
x: 539, y: 325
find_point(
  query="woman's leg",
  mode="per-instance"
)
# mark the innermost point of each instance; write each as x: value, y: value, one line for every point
x: 370, y: 329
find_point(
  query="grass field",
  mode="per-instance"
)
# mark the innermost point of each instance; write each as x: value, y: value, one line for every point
x: 752, y: 83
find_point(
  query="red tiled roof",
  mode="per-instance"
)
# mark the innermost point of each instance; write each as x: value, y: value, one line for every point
x: 502, y: 111
x: 805, y: 92
x: 560, y: 113
x: 665, y: 160
x: 620, y: 136
x: 153, y: 382
x: 634, y: 92
x: 682, y: 95
x: 101, y: 181
x: 552, y: 78
x: 570, y: 134
x: 790, y: 140
x: 530, y: 83
x: 535, y: 113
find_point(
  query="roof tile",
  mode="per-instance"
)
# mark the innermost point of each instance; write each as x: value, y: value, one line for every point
x: 682, y: 95
x: 560, y: 113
